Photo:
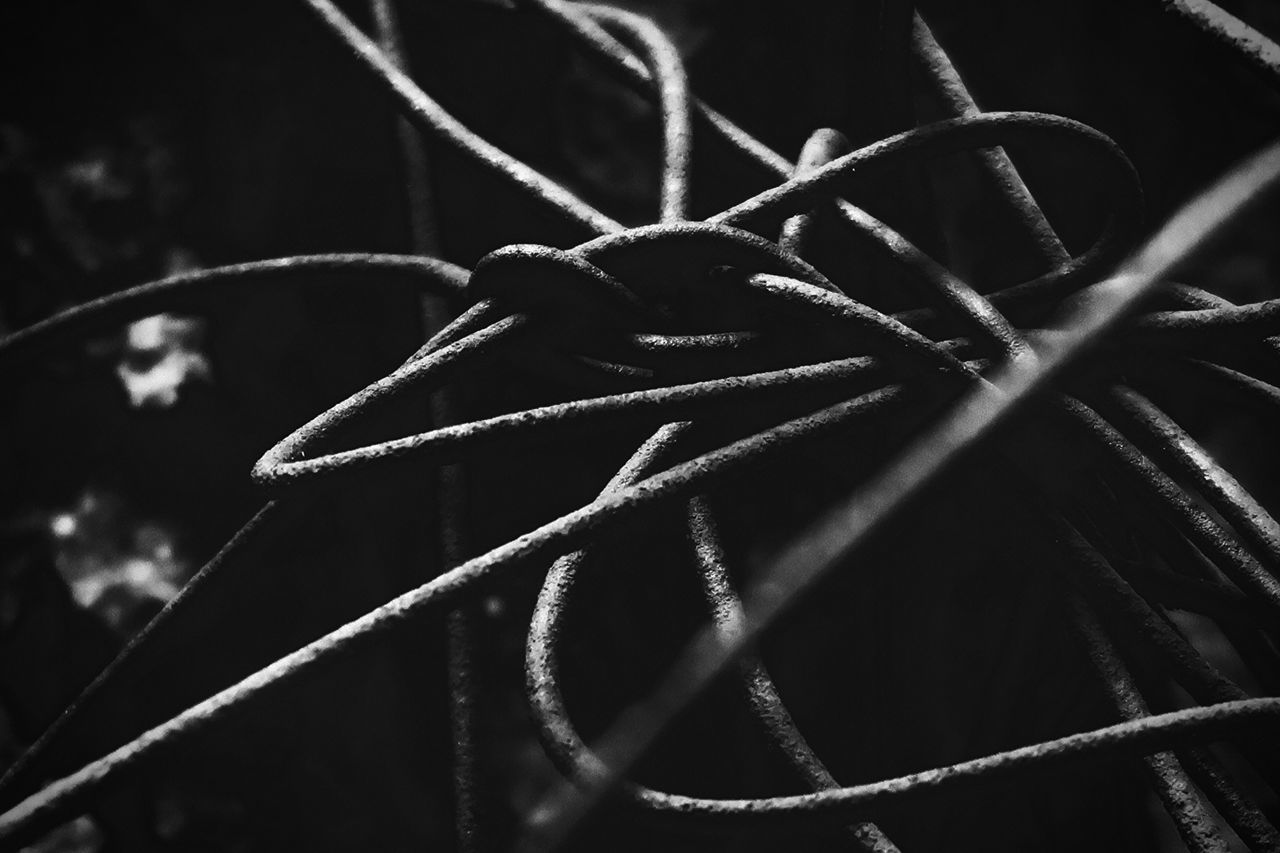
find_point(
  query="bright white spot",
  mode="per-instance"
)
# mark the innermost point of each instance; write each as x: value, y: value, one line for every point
x: 138, y: 572
x: 63, y: 524
x: 162, y: 353
x: 106, y: 575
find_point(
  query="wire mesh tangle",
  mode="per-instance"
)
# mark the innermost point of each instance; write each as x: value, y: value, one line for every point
x: 670, y: 325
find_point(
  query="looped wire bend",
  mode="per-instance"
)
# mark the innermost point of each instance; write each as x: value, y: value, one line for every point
x: 679, y: 320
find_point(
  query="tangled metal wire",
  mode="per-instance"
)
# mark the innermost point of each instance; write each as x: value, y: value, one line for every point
x: 667, y: 324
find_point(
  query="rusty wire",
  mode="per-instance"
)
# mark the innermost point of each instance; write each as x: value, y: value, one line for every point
x: 624, y: 318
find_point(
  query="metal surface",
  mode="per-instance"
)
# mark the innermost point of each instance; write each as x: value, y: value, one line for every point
x: 663, y: 325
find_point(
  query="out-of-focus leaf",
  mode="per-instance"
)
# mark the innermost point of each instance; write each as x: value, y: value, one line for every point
x: 161, y: 355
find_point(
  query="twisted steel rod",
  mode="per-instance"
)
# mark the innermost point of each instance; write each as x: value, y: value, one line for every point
x: 1066, y: 276
x: 468, y: 580
x: 708, y: 654
x: 554, y: 726
x: 615, y: 277
x: 1001, y: 170
x: 1170, y: 779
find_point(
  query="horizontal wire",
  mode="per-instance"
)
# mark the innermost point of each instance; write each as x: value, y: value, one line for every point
x: 189, y: 290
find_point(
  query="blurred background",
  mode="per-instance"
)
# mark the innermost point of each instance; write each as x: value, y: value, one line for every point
x: 140, y: 138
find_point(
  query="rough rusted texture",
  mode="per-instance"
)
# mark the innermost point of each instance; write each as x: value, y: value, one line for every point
x: 1234, y: 34
x: 664, y: 325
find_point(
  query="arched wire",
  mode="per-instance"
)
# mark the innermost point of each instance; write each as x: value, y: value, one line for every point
x: 555, y: 729
x: 481, y: 321
x: 448, y: 584
x: 845, y: 526
x: 721, y: 596
x: 428, y: 115
x: 1098, y: 590
x: 188, y: 290
x: 1066, y: 277
x: 822, y: 146
x: 944, y: 80
x: 663, y: 63
x: 1168, y: 776
x: 465, y: 582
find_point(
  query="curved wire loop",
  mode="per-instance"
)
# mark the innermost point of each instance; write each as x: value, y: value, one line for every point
x: 672, y: 323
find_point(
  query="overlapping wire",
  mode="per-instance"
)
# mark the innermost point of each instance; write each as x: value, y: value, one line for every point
x: 667, y: 324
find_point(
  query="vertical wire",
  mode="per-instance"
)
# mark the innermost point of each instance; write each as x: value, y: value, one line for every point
x: 674, y: 101
x: 469, y: 789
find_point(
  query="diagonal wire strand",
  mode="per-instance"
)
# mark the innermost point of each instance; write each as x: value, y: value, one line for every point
x: 800, y: 566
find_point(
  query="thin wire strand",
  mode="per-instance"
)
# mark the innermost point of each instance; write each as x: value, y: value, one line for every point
x: 429, y: 116
x: 490, y: 329
x: 851, y: 521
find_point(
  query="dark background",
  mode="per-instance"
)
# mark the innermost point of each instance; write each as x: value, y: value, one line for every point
x: 138, y: 136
